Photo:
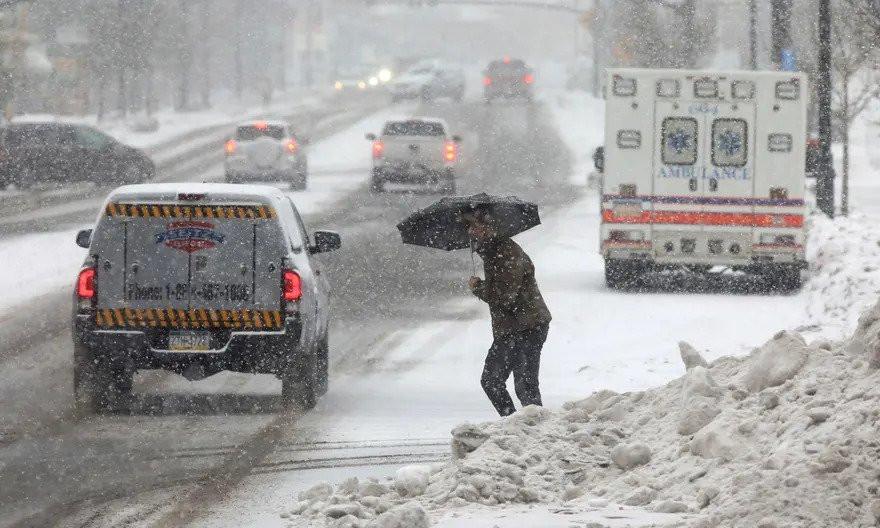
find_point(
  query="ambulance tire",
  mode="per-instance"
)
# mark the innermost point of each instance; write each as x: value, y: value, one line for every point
x: 299, y: 382
x: 621, y: 275
x: 99, y: 385
x: 783, y: 279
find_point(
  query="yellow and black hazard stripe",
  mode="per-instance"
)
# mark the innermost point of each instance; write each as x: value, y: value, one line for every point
x: 194, y: 318
x: 190, y: 211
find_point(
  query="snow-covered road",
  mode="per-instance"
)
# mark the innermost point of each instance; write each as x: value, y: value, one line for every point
x: 407, y: 346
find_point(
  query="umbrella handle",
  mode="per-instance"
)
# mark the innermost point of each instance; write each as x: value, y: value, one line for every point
x: 473, y: 260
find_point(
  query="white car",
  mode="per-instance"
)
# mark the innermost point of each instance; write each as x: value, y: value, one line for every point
x: 267, y: 151
x: 415, y: 150
x: 429, y: 80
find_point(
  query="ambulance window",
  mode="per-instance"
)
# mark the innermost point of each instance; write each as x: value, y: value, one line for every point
x: 790, y: 90
x: 706, y: 88
x: 624, y: 87
x: 629, y: 139
x: 668, y: 88
x: 679, y: 138
x: 742, y: 89
x: 729, y: 143
x: 779, y: 142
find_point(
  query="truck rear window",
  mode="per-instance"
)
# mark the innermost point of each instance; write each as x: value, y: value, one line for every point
x: 679, y: 141
x: 413, y: 128
x: 252, y: 132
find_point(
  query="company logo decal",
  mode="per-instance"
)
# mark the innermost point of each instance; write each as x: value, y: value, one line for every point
x: 190, y: 236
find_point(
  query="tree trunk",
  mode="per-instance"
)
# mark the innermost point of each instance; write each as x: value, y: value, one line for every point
x: 844, y: 193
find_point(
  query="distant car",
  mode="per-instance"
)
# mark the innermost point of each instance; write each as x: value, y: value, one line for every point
x: 36, y: 152
x: 418, y: 150
x: 508, y: 78
x: 199, y: 278
x: 429, y: 80
x: 354, y: 79
x: 267, y: 151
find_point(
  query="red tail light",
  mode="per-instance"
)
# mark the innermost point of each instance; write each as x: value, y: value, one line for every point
x: 85, y: 284
x: 450, y: 151
x: 231, y: 145
x: 528, y: 78
x: 292, y: 146
x: 292, y: 285
x: 378, y: 149
x: 487, y: 81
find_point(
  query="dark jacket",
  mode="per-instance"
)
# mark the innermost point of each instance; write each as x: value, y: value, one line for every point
x: 510, y: 289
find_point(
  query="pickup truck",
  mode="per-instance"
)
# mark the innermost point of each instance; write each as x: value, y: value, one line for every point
x: 415, y: 151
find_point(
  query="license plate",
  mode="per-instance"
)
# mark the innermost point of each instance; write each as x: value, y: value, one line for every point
x: 189, y: 341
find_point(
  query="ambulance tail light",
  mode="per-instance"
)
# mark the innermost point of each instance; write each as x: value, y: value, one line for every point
x: 378, y: 149
x: 86, y: 288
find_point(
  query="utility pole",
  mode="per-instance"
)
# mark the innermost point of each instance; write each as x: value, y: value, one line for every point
x: 237, y: 51
x: 598, y: 32
x: 753, y: 34
x: 205, y: 53
x: 825, y: 163
x: 310, y: 43
x: 121, y: 31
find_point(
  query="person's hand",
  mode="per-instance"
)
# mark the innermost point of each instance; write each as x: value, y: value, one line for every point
x: 474, y: 282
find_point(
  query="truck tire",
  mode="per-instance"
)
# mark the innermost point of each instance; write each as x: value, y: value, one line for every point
x: 298, y: 382
x: 299, y: 181
x: 99, y: 385
x: 323, y: 381
x: 449, y: 186
x: 377, y: 184
x: 621, y: 274
x: 783, y: 279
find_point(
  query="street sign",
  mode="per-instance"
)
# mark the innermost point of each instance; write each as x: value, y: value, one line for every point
x: 788, y: 61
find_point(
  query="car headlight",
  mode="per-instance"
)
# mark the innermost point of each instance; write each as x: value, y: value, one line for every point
x: 374, y: 81
x: 385, y: 75
x: 337, y: 85
x: 362, y: 85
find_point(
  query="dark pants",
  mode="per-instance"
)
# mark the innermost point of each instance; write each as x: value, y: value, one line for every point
x: 519, y: 353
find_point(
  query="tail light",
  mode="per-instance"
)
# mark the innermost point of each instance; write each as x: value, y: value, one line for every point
x: 528, y: 78
x: 292, y: 284
x: 487, y: 81
x: 378, y: 149
x: 85, y: 284
x: 292, y: 146
x: 231, y: 146
x: 450, y: 151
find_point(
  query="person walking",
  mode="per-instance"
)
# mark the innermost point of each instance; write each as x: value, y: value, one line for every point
x: 520, y: 318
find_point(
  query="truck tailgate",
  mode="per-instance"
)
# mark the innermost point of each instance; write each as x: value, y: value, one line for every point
x: 192, y: 266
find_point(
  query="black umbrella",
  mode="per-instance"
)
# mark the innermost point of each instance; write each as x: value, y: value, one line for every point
x: 441, y: 225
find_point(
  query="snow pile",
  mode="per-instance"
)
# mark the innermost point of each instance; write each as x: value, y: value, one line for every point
x: 784, y: 437
x: 844, y: 256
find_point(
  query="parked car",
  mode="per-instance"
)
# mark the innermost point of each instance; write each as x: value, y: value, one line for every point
x: 429, y: 80
x: 197, y: 279
x: 508, y: 78
x: 37, y: 152
x: 267, y: 150
x: 417, y: 150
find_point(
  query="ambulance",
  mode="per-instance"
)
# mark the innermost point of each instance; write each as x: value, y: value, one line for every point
x: 704, y: 170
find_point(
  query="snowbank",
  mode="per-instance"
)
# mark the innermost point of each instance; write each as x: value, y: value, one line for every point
x: 844, y: 257
x: 790, y: 440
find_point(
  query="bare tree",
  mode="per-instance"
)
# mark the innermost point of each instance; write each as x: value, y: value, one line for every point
x: 855, y: 63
